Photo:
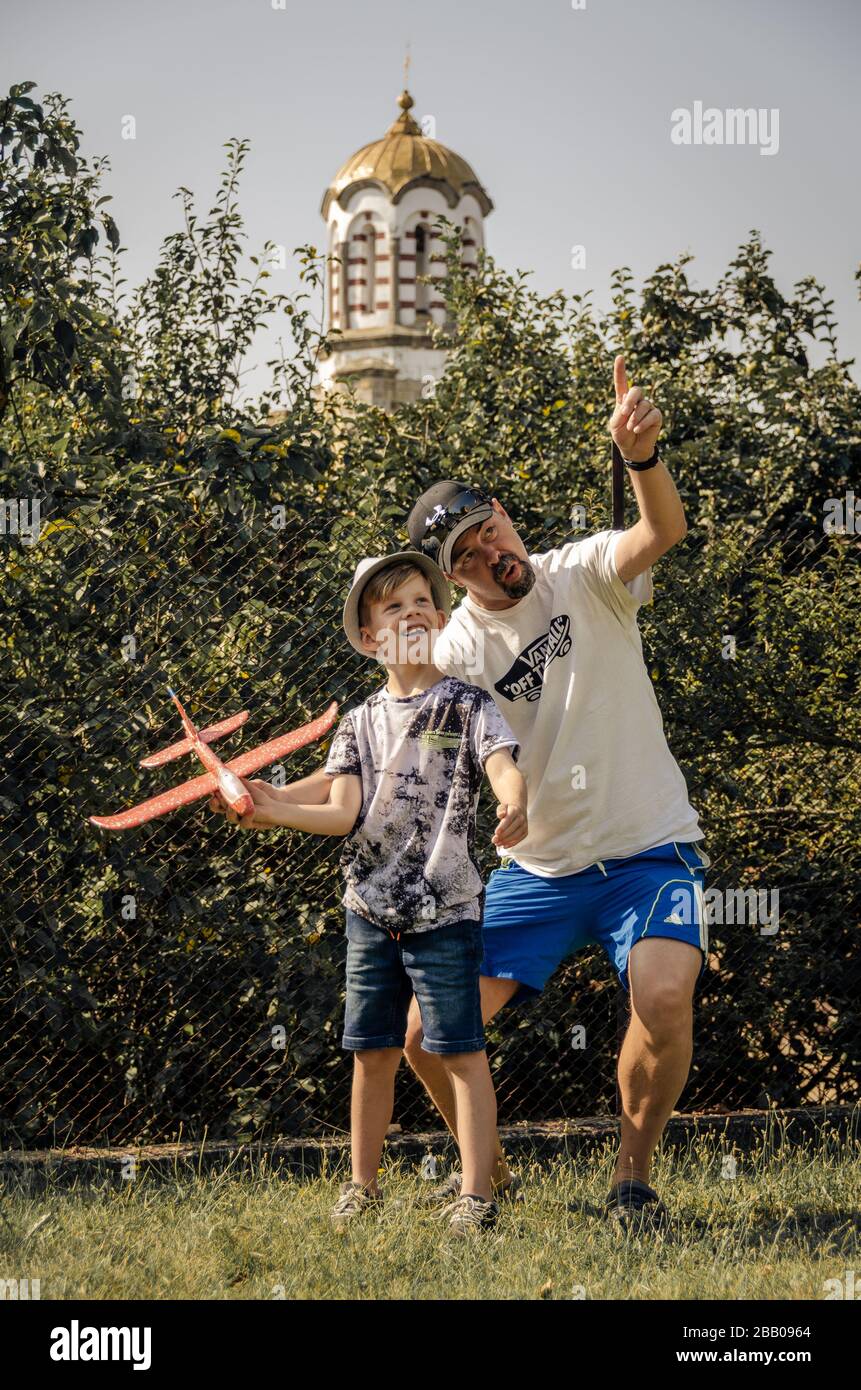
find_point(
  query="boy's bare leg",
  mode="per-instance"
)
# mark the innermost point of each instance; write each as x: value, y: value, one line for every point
x: 431, y: 1071
x: 475, y: 1103
x: 371, y: 1110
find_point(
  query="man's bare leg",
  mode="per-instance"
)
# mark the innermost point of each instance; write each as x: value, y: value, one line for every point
x: 430, y: 1069
x: 371, y: 1110
x: 475, y: 1102
x: 656, y: 1054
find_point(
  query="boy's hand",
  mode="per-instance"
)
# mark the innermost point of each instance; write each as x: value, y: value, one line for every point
x: 513, y: 825
x: 261, y: 818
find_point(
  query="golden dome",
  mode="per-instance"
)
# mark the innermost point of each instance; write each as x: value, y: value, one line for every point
x: 402, y: 159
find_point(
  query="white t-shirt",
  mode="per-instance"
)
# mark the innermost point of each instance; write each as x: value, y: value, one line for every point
x: 565, y: 665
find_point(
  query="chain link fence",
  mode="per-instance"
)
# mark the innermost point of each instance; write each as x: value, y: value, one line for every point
x: 186, y: 978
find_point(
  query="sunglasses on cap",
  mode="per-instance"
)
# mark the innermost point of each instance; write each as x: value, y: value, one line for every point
x: 443, y: 518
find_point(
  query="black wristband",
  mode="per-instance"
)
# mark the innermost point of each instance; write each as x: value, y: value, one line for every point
x: 641, y: 467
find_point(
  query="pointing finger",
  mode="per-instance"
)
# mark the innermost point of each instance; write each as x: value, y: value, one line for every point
x: 620, y: 378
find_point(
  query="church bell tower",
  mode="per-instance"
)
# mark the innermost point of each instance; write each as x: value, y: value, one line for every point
x: 380, y: 209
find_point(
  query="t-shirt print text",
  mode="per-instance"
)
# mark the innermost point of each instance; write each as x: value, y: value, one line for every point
x: 523, y: 680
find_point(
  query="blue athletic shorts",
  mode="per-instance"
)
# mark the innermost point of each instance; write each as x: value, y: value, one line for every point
x: 532, y: 924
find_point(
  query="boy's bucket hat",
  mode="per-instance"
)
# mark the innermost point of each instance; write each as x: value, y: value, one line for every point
x: 366, y: 569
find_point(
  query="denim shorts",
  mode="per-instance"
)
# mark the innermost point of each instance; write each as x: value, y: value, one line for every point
x: 440, y: 966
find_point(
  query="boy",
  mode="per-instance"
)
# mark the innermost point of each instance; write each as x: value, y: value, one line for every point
x: 406, y: 771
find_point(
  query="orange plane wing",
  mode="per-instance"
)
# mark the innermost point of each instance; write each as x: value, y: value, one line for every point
x: 159, y: 805
x: 280, y: 747
x: 198, y: 787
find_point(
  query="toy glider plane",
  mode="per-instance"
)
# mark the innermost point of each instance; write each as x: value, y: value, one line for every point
x: 223, y: 777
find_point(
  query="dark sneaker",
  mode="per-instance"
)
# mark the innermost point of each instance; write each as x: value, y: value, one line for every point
x: 636, y: 1208
x: 510, y: 1191
x: 445, y: 1191
x: 470, y: 1214
x: 354, y: 1200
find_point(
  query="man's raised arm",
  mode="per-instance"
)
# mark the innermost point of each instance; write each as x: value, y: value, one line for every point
x: 634, y: 426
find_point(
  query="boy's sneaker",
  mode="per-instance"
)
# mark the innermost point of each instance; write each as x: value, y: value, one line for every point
x: 470, y: 1215
x: 354, y: 1199
x: 439, y: 1196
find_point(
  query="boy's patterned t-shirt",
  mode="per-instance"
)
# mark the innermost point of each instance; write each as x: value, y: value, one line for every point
x: 408, y: 862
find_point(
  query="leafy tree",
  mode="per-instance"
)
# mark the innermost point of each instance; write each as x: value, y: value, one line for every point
x: 193, y: 322
x: 53, y: 320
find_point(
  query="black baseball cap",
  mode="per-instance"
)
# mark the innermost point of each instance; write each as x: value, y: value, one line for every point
x: 442, y: 514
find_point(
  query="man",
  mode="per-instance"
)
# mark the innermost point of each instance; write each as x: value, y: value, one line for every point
x: 610, y: 855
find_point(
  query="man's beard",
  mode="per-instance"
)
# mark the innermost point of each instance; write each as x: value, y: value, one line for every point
x: 523, y: 578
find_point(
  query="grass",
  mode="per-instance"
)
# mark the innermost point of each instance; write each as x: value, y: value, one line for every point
x: 787, y: 1222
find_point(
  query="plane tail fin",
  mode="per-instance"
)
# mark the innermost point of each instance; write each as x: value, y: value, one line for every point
x: 184, y: 745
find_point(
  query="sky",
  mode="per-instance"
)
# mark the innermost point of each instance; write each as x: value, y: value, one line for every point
x: 563, y: 109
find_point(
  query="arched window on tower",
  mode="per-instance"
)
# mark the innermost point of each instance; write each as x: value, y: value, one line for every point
x: 370, y: 267
x: 470, y: 243
x: 422, y: 268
